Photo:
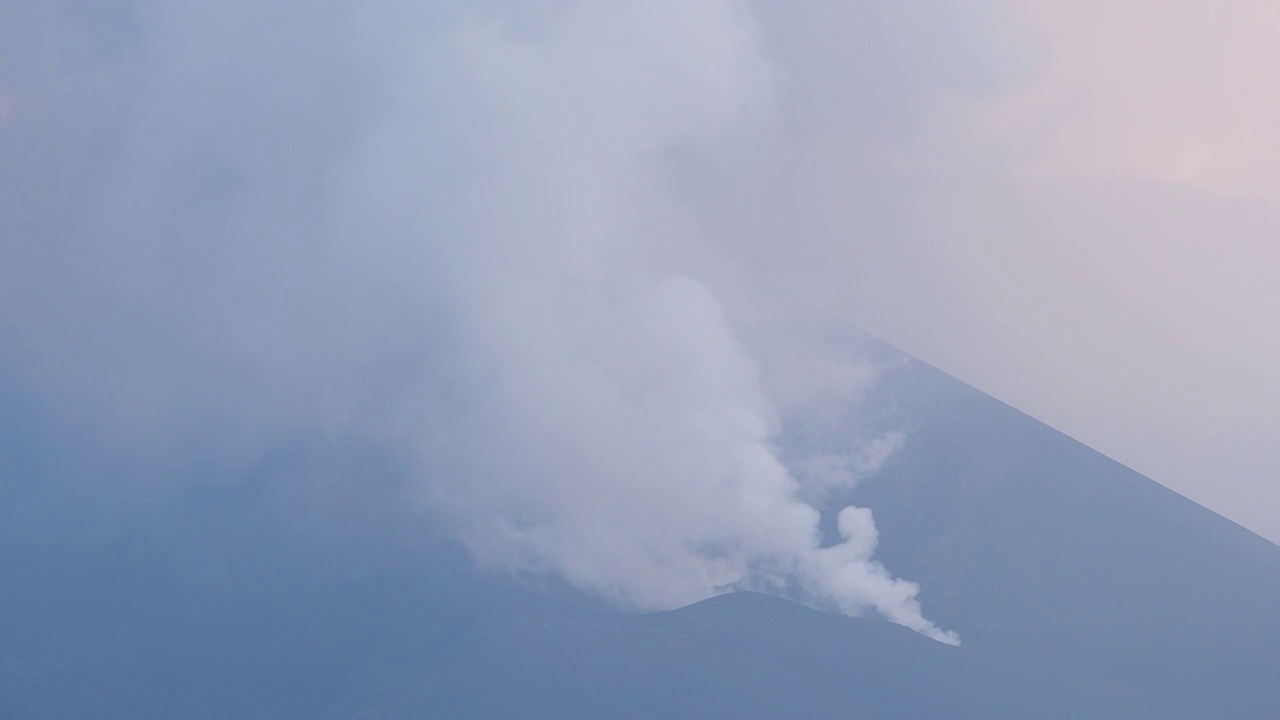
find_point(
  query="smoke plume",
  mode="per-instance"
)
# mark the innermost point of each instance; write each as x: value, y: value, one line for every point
x: 466, y: 231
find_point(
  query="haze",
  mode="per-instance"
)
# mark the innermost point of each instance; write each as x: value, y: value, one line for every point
x: 1085, y: 228
x: 525, y: 252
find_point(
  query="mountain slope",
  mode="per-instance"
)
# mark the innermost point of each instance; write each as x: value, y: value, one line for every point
x: 1031, y: 544
x: 747, y: 656
x: 1080, y: 589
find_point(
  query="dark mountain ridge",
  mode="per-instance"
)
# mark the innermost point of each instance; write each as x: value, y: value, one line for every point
x: 1031, y: 543
x: 1080, y: 589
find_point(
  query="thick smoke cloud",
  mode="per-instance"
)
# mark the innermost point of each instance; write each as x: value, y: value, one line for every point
x: 467, y: 233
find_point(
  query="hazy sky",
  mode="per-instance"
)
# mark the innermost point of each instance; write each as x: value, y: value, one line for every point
x: 525, y: 247
x: 1097, y: 244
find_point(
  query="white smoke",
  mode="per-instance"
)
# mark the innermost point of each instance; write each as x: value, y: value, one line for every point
x: 486, y: 258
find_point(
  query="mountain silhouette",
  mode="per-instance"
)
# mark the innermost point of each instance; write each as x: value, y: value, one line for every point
x: 1080, y: 590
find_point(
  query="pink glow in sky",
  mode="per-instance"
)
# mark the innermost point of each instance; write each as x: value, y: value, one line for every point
x: 1099, y: 247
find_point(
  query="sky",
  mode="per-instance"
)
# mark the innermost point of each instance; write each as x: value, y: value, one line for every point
x: 525, y: 250
x: 1096, y: 244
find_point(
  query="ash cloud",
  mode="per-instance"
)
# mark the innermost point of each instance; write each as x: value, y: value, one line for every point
x: 459, y: 231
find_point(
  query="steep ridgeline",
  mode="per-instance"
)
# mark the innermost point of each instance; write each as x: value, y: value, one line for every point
x: 1034, y: 546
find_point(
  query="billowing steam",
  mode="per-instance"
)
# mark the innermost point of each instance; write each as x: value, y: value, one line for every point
x: 463, y: 231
